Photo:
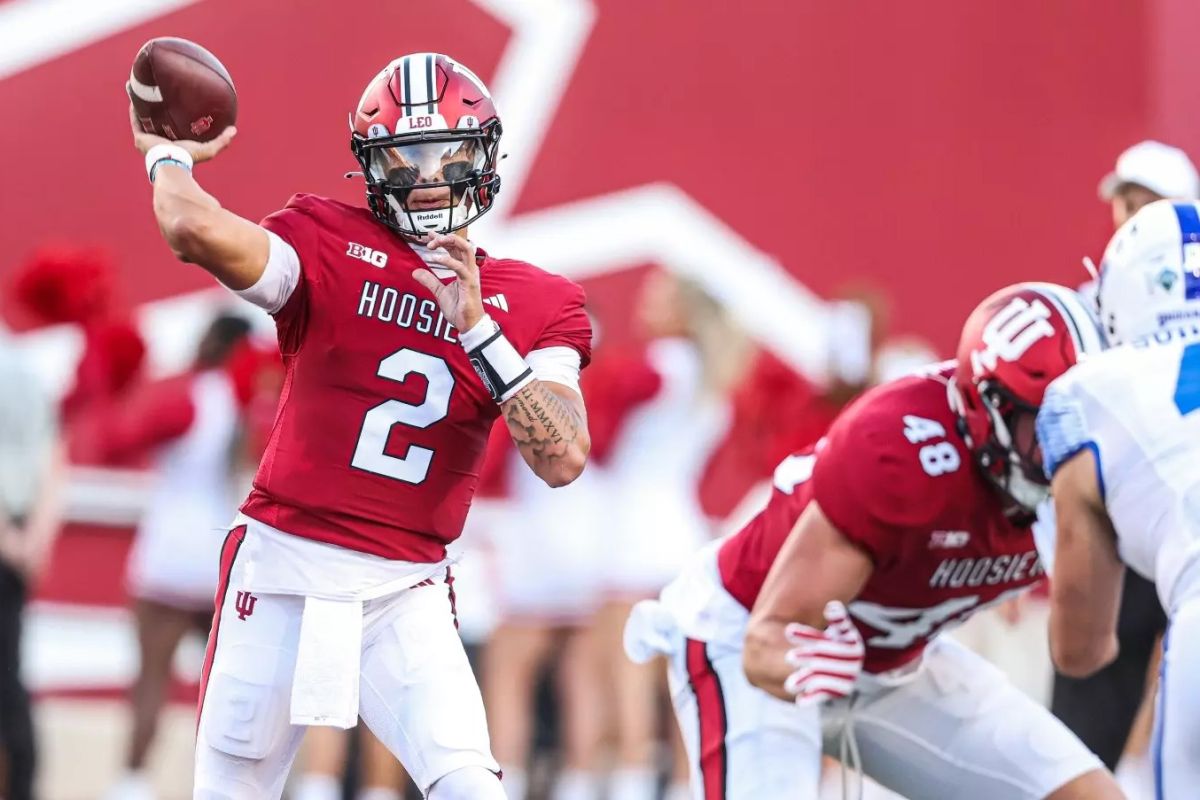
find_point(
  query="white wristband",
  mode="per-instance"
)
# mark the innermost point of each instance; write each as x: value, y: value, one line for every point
x: 479, y: 333
x: 501, y: 368
x: 166, y: 152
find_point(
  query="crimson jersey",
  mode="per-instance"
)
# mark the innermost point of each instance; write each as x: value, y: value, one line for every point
x: 382, y: 422
x: 894, y: 476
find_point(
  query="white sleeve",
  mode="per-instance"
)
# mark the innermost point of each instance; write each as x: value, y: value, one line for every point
x: 279, y: 277
x: 557, y: 365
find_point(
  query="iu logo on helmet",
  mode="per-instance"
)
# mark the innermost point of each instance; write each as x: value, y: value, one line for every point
x: 1011, y: 332
x: 245, y: 604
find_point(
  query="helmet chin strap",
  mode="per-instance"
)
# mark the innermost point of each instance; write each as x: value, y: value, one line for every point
x: 954, y: 397
x: 1002, y: 434
x: 1025, y: 492
x: 1029, y: 495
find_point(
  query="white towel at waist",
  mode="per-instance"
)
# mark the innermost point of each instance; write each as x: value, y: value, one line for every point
x: 325, y: 683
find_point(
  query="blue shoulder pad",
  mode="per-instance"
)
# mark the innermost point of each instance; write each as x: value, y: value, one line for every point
x: 1061, y: 429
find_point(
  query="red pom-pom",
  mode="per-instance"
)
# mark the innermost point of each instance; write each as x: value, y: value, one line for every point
x: 66, y: 284
x: 113, y: 353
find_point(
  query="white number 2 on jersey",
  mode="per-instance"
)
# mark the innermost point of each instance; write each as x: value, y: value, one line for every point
x: 413, y: 467
x: 937, y: 458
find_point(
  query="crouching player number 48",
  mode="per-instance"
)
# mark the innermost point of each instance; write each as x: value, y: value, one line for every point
x: 334, y: 599
x: 911, y: 515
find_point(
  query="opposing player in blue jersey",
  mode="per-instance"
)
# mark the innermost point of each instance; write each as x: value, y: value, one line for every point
x: 1120, y: 435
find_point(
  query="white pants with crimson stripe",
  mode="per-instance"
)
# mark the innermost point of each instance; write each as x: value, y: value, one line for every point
x: 956, y: 728
x: 741, y: 742
x: 417, y: 691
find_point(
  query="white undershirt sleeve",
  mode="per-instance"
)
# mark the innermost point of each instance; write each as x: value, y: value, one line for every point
x: 279, y: 277
x: 557, y: 365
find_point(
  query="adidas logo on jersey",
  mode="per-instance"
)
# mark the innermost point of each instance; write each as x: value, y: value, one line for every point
x: 948, y: 540
x: 497, y: 301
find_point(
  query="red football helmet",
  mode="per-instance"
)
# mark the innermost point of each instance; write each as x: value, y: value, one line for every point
x: 1014, y: 344
x: 426, y: 134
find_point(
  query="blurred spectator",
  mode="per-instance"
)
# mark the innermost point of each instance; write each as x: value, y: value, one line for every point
x: 776, y: 411
x: 189, y: 423
x: 256, y: 369
x: 1146, y: 172
x: 31, y: 478
x: 73, y: 285
x: 326, y: 756
x: 900, y: 356
x: 113, y: 355
x: 673, y: 400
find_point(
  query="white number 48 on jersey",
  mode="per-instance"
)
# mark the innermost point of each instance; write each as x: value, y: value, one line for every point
x: 937, y: 458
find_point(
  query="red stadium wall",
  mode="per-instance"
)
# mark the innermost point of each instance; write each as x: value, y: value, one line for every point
x: 937, y: 152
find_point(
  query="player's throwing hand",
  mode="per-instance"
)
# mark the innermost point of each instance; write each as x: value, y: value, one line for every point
x: 199, y: 151
x: 827, y: 661
x: 460, y: 301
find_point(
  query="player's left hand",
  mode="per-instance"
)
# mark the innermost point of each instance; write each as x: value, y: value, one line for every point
x: 828, y: 661
x: 461, y: 302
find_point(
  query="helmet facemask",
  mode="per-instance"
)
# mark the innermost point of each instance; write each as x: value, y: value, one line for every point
x: 1011, y: 458
x: 430, y: 182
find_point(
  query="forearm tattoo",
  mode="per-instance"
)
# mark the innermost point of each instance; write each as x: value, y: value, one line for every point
x: 543, y: 425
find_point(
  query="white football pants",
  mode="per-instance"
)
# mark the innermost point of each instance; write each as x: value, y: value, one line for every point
x: 417, y: 691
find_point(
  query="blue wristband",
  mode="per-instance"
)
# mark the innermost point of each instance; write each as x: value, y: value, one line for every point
x: 154, y: 167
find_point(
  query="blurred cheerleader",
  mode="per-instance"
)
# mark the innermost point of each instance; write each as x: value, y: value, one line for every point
x: 668, y: 406
x: 189, y: 424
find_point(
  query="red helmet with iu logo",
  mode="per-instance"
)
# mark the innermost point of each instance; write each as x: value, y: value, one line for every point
x: 1014, y: 344
x: 426, y: 134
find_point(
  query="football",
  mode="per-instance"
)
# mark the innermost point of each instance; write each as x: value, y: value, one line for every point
x: 181, y: 91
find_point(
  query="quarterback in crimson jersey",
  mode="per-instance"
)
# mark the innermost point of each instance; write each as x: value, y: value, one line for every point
x: 402, y: 342
x: 914, y: 511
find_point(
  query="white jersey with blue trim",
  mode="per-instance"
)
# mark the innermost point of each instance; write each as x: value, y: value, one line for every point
x: 1138, y: 408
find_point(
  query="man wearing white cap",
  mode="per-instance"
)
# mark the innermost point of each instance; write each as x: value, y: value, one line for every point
x: 1146, y: 172
x: 1101, y: 709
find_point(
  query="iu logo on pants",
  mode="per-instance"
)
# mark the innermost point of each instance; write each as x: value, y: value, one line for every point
x: 245, y: 604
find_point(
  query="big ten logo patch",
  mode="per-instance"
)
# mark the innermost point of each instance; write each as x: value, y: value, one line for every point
x: 376, y: 258
x: 1012, y: 332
